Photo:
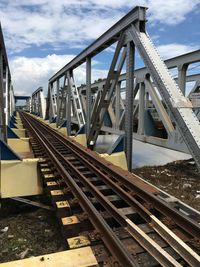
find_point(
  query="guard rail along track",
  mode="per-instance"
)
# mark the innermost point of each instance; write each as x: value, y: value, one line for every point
x: 133, y: 225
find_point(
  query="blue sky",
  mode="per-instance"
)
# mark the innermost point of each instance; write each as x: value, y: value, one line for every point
x: 41, y: 36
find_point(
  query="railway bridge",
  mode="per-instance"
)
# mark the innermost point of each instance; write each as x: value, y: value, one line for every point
x: 108, y: 215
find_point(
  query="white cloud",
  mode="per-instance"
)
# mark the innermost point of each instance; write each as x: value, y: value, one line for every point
x: 72, y: 23
x: 171, y: 11
x: 30, y: 73
x: 52, y: 23
x: 173, y: 50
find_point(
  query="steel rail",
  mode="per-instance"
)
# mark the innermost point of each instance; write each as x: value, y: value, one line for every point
x: 179, y: 246
x: 186, y: 223
x: 114, y: 245
x: 173, y: 240
x: 183, y: 249
x: 149, y: 244
x: 144, y: 240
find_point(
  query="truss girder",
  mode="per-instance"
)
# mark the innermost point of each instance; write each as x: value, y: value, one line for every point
x: 61, y: 111
x: 152, y: 81
x: 51, y: 109
x: 69, y: 105
x: 171, y: 63
x: 77, y: 105
x: 39, y: 106
x: 179, y: 107
x: 100, y: 110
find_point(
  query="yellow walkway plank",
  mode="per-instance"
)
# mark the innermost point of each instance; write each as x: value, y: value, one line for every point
x: 81, y: 257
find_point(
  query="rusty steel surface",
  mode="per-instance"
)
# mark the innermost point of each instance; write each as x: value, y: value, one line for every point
x: 107, y: 193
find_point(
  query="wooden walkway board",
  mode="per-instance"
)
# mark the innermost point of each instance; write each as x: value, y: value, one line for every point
x: 81, y: 257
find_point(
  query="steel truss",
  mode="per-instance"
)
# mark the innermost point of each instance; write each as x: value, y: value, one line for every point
x: 51, y: 101
x: 38, y: 103
x: 148, y: 100
x: 154, y: 81
x: 65, y: 105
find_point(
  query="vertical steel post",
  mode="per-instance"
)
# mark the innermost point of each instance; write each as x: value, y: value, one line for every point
x: 88, y: 94
x: 11, y: 109
x: 68, y: 109
x: 54, y: 100
x: 117, y: 104
x: 9, y: 99
x: 146, y: 100
x: 141, y: 109
x: 39, y: 104
x: 57, y: 97
x: 6, y: 95
x: 34, y: 97
x: 182, y: 69
x: 58, y: 100
x: 130, y: 60
x: 34, y: 104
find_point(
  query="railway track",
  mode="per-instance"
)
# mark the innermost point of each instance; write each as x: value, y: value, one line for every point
x: 113, y: 211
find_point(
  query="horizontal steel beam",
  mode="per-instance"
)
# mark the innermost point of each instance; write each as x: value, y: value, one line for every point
x: 95, y: 86
x: 184, y: 59
x: 20, y: 97
x: 37, y: 91
x: 188, y: 58
x: 157, y: 141
x: 105, y: 40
